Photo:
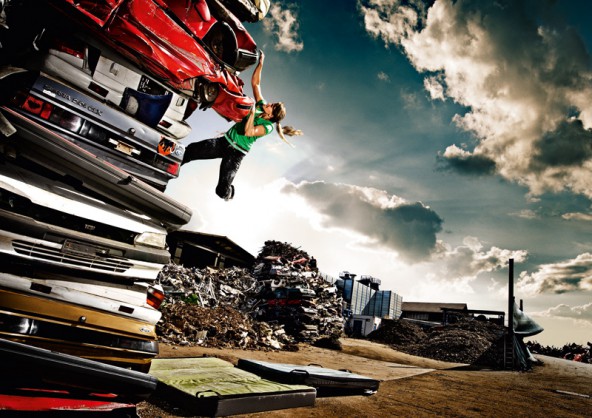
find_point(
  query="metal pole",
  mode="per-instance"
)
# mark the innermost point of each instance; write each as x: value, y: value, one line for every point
x: 509, y: 346
x: 511, y: 297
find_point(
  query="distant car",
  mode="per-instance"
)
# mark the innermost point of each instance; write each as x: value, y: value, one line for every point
x: 98, y: 73
x: 164, y: 44
x: 108, y: 133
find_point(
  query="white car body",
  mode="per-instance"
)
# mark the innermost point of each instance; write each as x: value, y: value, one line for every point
x: 114, y: 77
x: 119, y: 299
x: 132, y: 249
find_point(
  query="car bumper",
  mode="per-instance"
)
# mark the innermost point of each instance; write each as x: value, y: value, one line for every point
x: 52, y: 151
x: 77, y: 330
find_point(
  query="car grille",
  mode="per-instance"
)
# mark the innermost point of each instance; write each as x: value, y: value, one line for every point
x: 14, y: 203
x: 91, y: 261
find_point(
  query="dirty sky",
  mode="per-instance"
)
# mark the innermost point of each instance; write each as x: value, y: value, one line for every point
x: 442, y: 138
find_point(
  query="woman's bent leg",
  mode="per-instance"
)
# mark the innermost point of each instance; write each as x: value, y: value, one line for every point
x: 205, y: 150
x: 228, y: 169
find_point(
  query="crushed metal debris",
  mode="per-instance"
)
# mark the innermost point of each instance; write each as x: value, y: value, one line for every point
x: 283, y: 300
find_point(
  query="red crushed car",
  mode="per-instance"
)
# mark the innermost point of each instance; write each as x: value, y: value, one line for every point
x: 220, y: 29
x: 175, y: 43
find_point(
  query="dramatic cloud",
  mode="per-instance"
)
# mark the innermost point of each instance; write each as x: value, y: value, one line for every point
x: 577, y: 216
x: 465, y: 162
x: 567, y: 276
x: 583, y: 312
x: 471, y: 259
x: 284, y: 25
x: 524, y: 77
x: 387, y: 221
x: 391, y: 21
x: 434, y: 87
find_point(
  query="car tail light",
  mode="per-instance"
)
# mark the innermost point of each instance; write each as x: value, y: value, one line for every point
x: 37, y: 107
x: 173, y: 169
x: 154, y: 297
x: 166, y: 165
x: 101, y: 91
x: 70, y: 49
x: 165, y: 124
x: 66, y: 120
x: 47, y: 111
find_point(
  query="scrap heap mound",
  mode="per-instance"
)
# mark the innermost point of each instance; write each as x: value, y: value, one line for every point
x: 466, y: 341
x: 398, y: 333
x: 213, y: 308
x: 296, y: 295
x: 282, y: 301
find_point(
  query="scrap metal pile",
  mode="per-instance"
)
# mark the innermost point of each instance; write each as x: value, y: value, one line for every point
x: 571, y: 351
x: 466, y: 341
x: 282, y: 301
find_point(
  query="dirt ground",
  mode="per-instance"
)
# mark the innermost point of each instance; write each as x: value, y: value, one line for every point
x: 419, y: 387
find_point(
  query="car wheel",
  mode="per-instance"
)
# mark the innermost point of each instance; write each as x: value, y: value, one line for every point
x: 221, y: 40
x: 207, y: 94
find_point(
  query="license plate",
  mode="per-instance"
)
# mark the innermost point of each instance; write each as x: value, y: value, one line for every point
x: 78, y: 248
x: 126, y: 149
x: 150, y: 87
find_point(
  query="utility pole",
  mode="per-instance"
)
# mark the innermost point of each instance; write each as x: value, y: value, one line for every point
x: 511, y: 297
x: 509, y: 343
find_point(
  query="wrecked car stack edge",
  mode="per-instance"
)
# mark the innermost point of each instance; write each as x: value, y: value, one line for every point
x: 57, y: 154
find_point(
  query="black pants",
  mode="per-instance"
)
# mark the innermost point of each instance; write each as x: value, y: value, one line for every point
x: 209, y: 149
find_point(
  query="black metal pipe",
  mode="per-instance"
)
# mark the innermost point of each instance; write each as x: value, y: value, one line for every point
x: 511, y: 297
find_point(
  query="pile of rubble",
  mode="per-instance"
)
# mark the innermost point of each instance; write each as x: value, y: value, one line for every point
x: 398, y: 333
x: 209, y: 287
x: 221, y: 326
x: 281, y: 302
x: 466, y: 341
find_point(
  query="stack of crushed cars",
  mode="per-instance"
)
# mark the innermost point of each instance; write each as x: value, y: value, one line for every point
x: 279, y: 302
x: 94, y: 101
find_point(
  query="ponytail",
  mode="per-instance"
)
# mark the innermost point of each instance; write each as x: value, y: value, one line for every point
x: 278, y: 113
x: 287, y: 130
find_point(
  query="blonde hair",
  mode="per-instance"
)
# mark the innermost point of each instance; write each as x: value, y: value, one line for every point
x: 277, y: 114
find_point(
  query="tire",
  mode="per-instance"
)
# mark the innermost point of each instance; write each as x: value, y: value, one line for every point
x: 221, y: 40
x: 207, y: 93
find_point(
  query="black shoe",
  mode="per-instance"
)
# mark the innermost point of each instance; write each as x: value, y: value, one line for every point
x: 230, y: 194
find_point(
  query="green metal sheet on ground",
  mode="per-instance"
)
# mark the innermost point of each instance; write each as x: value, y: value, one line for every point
x: 214, y: 387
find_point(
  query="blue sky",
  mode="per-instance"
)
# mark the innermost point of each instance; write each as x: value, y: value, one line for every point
x: 440, y: 139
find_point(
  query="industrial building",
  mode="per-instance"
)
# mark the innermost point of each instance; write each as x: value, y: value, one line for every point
x: 365, y: 304
x: 197, y: 249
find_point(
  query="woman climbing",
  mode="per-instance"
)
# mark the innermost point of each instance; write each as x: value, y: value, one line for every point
x: 237, y: 141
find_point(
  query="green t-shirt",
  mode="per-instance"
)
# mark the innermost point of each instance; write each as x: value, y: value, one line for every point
x: 236, y: 135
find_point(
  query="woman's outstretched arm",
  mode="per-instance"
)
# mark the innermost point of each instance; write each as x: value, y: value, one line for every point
x: 256, y: 78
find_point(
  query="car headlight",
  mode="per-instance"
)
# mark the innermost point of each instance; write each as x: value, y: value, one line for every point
x: 151, y: 239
